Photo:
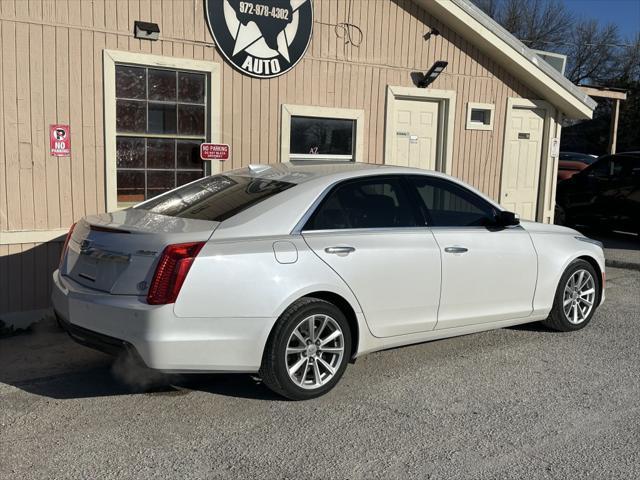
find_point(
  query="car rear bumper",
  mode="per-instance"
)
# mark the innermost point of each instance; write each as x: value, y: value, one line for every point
x: 98, y: 341
x: 122, y: 323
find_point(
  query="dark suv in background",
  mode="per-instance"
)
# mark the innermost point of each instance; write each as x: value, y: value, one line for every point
x: 605, y: 195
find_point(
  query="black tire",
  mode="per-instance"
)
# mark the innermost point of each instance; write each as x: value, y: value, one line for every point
x: 557, y: 319
x: 274, y: 370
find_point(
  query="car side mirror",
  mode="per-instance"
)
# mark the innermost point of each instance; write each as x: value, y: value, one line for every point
x: 505, y: 218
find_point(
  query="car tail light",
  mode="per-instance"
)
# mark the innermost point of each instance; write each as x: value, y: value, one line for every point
x: 66, y: 244
x: 171, y: 272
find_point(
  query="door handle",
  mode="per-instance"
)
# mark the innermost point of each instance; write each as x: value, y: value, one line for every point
x: 456, y: 250
x: 340, y: 250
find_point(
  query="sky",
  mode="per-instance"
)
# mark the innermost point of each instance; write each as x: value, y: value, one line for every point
x: 624, y: 13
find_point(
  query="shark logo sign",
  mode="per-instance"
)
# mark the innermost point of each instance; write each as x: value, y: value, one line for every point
x: 261, y: 38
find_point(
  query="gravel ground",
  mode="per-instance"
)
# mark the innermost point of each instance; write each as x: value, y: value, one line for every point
x: 514, y: 403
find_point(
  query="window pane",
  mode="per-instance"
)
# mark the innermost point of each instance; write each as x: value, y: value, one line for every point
x: 216, y: 198
x: 131, y: 116
x: 481, y: 116
x: 379, y: 203
x: 162, y: 118
x: 166, y: 102
x: 162, y: 85
x: 191, y: 87
x: 159, y: 182
x: 189, y: 154
x: 190, y: 120
x: 130, y: 82
x: 186, y: 177
x: 161, y: 153
x: 449, y: 205
x: 130, y: 186
x: 129, y: 152
x: 322, y: 136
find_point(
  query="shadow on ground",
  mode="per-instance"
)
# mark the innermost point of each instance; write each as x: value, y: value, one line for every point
x: 46, y: 362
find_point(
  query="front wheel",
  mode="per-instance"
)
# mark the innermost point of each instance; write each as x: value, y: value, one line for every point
x: 307, y: 351
x: 576, y: 300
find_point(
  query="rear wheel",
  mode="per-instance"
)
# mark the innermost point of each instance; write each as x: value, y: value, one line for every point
x: 307, y: 351
x: 577, y: 298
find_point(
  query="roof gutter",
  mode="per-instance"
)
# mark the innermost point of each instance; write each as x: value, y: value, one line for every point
x: 486, y: 34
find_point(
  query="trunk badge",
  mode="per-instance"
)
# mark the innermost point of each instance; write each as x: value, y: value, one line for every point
x: 142, y: 285
x: 147, y: 253
x: 85, y: 245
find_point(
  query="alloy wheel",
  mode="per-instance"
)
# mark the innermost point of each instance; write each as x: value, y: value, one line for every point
x: 579, y: 296
x: 314, y: 351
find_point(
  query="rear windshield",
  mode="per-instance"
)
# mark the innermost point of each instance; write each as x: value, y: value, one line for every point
x: 215, y: 198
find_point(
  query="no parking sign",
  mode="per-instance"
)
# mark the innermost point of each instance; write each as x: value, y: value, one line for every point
x: 60, y: 140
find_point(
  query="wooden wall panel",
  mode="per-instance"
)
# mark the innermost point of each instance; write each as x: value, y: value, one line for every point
x: 51, y: 72
x: 3, y: 166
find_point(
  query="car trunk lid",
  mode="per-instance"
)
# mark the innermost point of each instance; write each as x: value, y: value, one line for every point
x: 118, y: 252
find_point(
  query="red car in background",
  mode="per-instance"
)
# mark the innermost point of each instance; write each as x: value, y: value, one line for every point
x: 570, y: 163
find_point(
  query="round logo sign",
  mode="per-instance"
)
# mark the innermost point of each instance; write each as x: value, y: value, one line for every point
x: 261, y: 38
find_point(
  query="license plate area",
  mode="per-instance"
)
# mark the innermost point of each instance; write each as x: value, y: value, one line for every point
x: 88, y: 269
x: 96, y: 267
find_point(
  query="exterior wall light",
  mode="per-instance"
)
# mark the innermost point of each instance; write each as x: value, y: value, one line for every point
x: 146, y: 30
x: 429, y: 77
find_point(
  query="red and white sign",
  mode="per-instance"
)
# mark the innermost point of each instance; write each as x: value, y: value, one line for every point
x: 60, y: 140
x: 214, y: 151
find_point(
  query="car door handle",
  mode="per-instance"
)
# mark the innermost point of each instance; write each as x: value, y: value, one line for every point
x: 456, y: 250
x: 340, y: 250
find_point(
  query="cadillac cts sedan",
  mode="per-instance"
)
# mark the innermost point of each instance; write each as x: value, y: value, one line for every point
x: 293, y: 271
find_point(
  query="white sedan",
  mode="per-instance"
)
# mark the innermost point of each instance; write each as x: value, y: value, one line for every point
x: 292, y: 271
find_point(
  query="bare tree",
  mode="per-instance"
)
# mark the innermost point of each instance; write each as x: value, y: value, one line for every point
x: 490, y: 7
x: 538, y: 23
x: 591, y: 51
x: 628, y: 61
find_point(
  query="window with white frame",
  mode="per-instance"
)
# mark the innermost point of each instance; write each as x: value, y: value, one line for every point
x: 316, y: 137
x: 320, y: 133
x: 157, y: 111
x: 480, y: 116
x: 161, y: 120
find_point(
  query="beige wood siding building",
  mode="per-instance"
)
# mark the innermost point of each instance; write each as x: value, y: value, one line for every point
x: 57, y: 60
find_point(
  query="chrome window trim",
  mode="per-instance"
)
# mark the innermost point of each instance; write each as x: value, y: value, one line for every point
x: 363, y: 231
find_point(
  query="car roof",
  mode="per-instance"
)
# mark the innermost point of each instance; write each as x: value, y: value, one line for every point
x: 329, y: 172
x: 282, y: 213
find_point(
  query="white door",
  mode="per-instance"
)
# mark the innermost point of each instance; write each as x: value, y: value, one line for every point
x: 488, y: 273
x: 416, y: 134
x: 521, y: 164
x: 494, y: 279
x: 366, y: 231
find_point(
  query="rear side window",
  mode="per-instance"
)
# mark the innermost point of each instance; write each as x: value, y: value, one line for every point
x: 450, y: 205
x: 369, y: 203
x: 215, y: 198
